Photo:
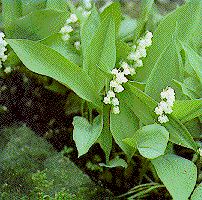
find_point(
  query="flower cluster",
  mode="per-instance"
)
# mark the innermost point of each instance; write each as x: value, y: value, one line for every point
x: 3, y: 48
x: 119, y: 75
x: 139, y: 51
x: 116, y: 85
x: 67, y: 28
x: 165, y: 106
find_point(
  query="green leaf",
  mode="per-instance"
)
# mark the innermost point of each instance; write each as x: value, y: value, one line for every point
x: 193, y: 62
x: 187, y: 110
x: 122, y: 50
x: 113, y: 11
x: 57, y: 5
x: 140, y: 103
x: 191, y: 87
x: 150, y: 140
x: 12, y: 10
x: 185, y: 18
x: 197, y: 194
x: 160, y: 76
x: 102, y: 52
x: 100, y: 57
x: 55, y: 42
x: 44, y: 60
x: 105, y: 138
x: 88, y: 30
x: 37, y: 25
x: 29, y: 6
x: 177, y: 174
x: 115, y: 162
x: 179, y: 134
x: 85, y: 134
x: 124, y: 125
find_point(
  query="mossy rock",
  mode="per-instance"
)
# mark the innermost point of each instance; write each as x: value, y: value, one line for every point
x: 30, y: 169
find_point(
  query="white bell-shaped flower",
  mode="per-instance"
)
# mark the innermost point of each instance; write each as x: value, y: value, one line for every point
x: 163, y: 119
x: 116, y: 110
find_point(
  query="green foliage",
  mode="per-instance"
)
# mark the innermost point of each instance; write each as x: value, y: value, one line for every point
x: 56, y: 43
x: 122, y: 126
x: 177, y: 174
x: 173, y: 60
x: 116, y: 162
x: 57, y: 5
x: 181, y: 23
x: 37, y: 25
x: 101, y: 55
x: 150, y: 140
x: 31, y: 56
x: 197, y: 194
x: 85, y: 134
x: 187, y: 110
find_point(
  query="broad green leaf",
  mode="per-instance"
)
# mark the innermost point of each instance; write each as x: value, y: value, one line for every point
x: 193, y: 62
x: 140, y: 103
x: 179, y: 134
x: 137, y: 107
x: 115, y: 162
x: 55, y: 42
x: 29, y: 6
x: 177, y: 174
x: 43, y: 60
x: 187, y: 109
x: 194, y: 127
x: 85, y: 134
x: 105, y: 138
x: 197, y: 194
x: 102, y: 53
x: 190, y: 87
x: 164, y: 71
x: 88, y: 30
x: 37, y: 25
x: 185, y: 18
x: 57, y: 5
x: 113, y: 11
x: 151, y: 103
x: 146, y: 6
x: 12, y: 10
x: 150, y: 140
x: 124, y: 125
x: 122, y: 50
x: 196, y: 39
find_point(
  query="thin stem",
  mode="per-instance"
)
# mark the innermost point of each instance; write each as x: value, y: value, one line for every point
x: 146, y: 191
x: 82, y: 107
x: 90, y: 111
x: 138, y: 188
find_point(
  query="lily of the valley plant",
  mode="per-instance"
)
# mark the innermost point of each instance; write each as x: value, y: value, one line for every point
x: 143, y: 82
